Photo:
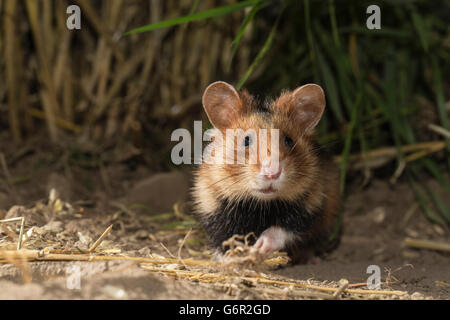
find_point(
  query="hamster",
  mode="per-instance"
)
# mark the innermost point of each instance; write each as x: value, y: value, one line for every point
x: 291, y: 206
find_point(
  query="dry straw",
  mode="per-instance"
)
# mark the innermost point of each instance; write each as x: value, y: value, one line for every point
x: 95, y: 81
x: 240, y: 265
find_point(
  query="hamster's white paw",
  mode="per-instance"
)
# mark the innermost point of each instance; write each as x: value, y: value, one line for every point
x: 273, y: 239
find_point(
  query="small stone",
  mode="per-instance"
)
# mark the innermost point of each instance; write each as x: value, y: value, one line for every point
x: 114, y: 292
x: 53, y: 226
x: 142, y: 234
x: 412, y: 233
x: 417, y: 296
x: 438, y: 230
x: 378, y: 215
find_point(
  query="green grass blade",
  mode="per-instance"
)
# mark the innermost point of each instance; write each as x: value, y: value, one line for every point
x: 438, y: 202
x: 436, y: 172
x: 443, y: 209
x: 421, y: 29
x: 249, y: 18
x: 330, y: 86
x: 440, y: 100
x: 341, y: 64
x: 423, y: 202
x: 332, y: 10
x: 262, y: 53
x: 309, y: 37
x: 207, y: 14
x: 348, y: 141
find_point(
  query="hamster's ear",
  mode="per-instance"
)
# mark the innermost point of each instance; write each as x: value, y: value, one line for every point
x: 222, y: 103
x: 309, y: 101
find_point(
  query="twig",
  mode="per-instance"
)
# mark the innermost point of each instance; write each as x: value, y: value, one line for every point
x: 343, y: 286
x: 58, y: 120
x: 442, y: 131
x: 355, y: 285
x: 22, y: 225
x: 378, y: 157
x: 398, y: 172
x: 409, y: 213
x: 212, y: 277
x: 48, y: 255
x: 427, y: 244
x: 99, y: 241
x: 182, y: 244
x: 295, y: 293
x: 354, y: 291
x: 167, y: 250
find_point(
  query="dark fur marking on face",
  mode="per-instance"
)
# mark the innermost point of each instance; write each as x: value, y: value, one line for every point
x: 254, y: 104
x: 265, y: 107
x: 249, y: 215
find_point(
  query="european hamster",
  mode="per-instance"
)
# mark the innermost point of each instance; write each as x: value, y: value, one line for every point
x: 290, y: 206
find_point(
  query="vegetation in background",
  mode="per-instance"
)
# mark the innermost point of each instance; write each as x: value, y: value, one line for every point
x: 387, y: 90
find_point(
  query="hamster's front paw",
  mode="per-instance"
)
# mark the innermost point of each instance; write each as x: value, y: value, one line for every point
x: 272, y: 239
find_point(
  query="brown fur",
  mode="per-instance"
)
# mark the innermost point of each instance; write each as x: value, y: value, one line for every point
x: 308, y: 176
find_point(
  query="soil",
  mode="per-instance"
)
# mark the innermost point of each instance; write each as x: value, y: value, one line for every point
x: 377, y: 218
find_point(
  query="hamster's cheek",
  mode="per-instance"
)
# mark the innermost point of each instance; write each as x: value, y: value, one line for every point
x: 252, y: 180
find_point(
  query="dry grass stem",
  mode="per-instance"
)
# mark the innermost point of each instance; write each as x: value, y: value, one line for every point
x: 99, y: 240
x: 427, y: 244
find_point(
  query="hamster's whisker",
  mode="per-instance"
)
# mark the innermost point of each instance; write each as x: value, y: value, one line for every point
x: 227, y: 177
x: 239, y: 180
x: 317, y: 148
x: 300, y: 174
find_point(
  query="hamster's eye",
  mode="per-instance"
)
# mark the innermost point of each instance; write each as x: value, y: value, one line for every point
x: 248, y: 141
x: 288, y: 142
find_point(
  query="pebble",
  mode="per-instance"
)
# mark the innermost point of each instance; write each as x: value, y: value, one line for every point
x: 114, y: 292
x: 142, y: 234
x: 53, y: 226
x: 417, y: 296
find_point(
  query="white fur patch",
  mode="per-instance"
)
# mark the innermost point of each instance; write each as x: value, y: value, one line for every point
x: 273, y: 239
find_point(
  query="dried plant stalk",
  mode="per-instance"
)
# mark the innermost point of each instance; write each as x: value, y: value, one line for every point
x: 209, y: 277
x: 427, y: 244
x: 48, y: 93
x: 11, y: 67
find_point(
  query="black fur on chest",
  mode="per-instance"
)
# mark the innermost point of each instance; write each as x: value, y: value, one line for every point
x: 249, y: 215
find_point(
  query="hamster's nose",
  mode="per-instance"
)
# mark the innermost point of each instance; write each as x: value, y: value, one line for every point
x: 270, y: 170
x: 272, y: 175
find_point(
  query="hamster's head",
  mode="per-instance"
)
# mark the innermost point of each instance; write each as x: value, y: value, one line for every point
x: 262, y: 150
